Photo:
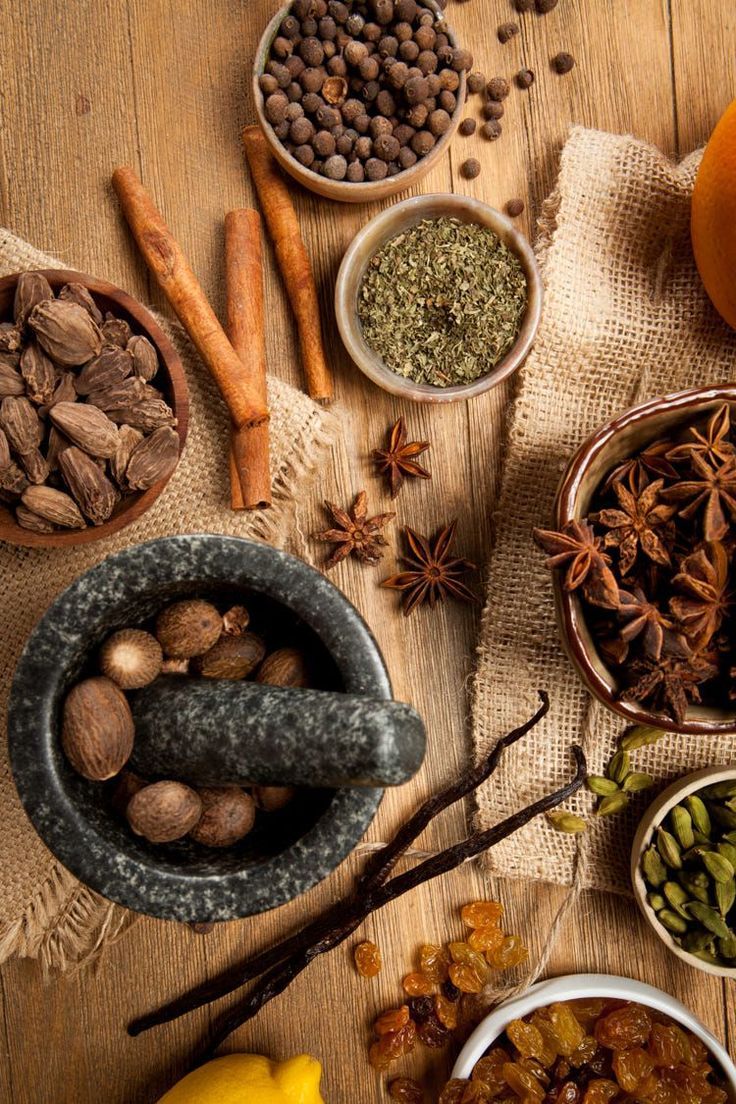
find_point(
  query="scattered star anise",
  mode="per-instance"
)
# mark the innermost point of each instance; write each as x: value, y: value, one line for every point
x: 432, y: 574
x: 670, y: 682
x: 398, y: 459
x: 714, y: 490
x: 643, y: 619
x: 704, y: 597
x: 713, y: 445
x: 642, y: 522
x: 355, y: 534
x: 587, y: 565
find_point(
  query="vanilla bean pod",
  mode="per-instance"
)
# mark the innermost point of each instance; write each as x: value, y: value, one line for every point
x: 377, y: 870
x: 278, y: 979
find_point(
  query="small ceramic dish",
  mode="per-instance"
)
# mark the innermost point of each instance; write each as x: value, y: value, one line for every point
x: 648, y: 824
x: 382, y: 229
x: 573, y: 987
x: 341, y: 190
x: 620, y: 438
x: 170, y: 380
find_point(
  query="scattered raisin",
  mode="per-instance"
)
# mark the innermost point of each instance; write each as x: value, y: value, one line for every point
x: 367, y: 959
x: 446, y: 1011
x: 514, y: 207
x: 406, y: 1090
x: 562, y: 63
x: 432, y: 1033
x: 392, y: 1021
x: 451, y: 990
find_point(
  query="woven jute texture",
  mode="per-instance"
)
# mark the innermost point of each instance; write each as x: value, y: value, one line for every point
x: 44, y: 912
x: 625, y: 318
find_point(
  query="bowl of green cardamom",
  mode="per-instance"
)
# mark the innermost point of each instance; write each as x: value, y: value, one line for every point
x: 438, y: 298
x: 683, y: 869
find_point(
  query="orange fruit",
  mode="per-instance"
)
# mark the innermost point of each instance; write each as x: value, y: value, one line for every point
x: 713, y: 221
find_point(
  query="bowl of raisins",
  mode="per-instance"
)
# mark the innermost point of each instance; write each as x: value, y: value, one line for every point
x: 594, y: 1039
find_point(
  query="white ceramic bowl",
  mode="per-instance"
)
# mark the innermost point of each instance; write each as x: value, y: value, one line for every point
x: 574, y: 986
x: 651, y: 820
x: 374, y: 235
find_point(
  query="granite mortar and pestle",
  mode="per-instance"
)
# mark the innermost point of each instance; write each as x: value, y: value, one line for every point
x: 340, y: 743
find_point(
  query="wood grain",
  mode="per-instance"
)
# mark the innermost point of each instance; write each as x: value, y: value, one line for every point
x: 165, y: 86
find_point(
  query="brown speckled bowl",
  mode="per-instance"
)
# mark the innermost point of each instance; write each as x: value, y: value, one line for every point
x: 595, y: 458
x: 374, y: 236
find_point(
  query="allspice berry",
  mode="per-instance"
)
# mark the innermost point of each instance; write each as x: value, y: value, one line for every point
x: 439, y: 122
x: 562, y: 63
x: 525, y: 78
x: 491, y: 130
x: 188, y: 628
x: 97, y: 730
x: 228, y: 814
x: 476, y: 83
x: 132, y: 658
x: 545, y: 6
x: 470, y: 168
x: 498, y: 88
x: 164, y: 811
x: 335, y: 167
x: 514, y: 208
x: 492, y: 109
x: 506, y: 32
x: 468, y: 127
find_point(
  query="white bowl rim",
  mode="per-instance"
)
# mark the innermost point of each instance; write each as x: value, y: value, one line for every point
x: 573, y: 987
x: 373, y: 367
x: 652, y: 818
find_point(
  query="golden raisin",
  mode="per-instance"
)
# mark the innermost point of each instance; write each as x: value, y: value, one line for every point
x: 625, y: 1027
x: 527, y: 1039
x: 446, y: 1011
x: 465, y: 978
x: 390, y: 1047
x: 476, y: 1092
x: 406, y: 1090
x: 433, y: 962
x: 585, y: 1053
x: 523, y: 1083
x: 669, y: 1046
x: 432, y: 1033
x: 486, y: 939
x: 568, y: 1093
x: 417, y: 984
x: 600, y: 1091
x: 544, y: 1027
x: 489, y: 1069
x: 511, y: 952
x: 631, y: 1068
x: 464, y: 955
x: 453, y: 1092
x: 392, y: 1020
x: 567, y: 1031
x: 481, y: 913
x: 367, y: 959
x: 587, y: 1010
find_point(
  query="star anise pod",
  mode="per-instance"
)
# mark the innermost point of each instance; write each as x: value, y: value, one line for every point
x: 398, y: 459
x: 355, y: 534
x: 671, y: 682
x: 577, y: 547
x: 642, y: 619
x: 705, y: 596
x: 643, y: 522
x: 432, y: 573
x: 714, y: 445
x: 635, y: 472
x: 714, y: 491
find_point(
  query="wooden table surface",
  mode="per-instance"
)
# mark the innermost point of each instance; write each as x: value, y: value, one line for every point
x: 163, y: 85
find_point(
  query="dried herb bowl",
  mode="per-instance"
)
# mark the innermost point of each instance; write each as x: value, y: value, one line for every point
x: 615, y: 442
x: 277, y: 861
x: 371, y: 240
x: 170, y: 380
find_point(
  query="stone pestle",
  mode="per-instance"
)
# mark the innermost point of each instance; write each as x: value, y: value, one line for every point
x: 217, y: 732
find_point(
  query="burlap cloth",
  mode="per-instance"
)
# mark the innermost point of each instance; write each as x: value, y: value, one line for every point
x: 44, y: 912
x: 625, y: 318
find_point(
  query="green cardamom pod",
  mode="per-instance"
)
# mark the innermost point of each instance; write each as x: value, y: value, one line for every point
x: 727, y: 946
x: 656, y: 901
x: 601, y: 786
x: 640, y: 736
x: 700, y: 837
x: 720, y: 790
x: 709, y: 918
x: 698, y: 813
x: 723, y: 815
x: 614, y: 803
x: 653, y: 868
x: 706, y: 956
x: 728, y: 851
x: 563, y: 821
x: 637, y: 781
x: 677, y: 898
x: 672, y: 921
x: 730, y: 837
x: 619, y: 766
x: 669, y: 849
x: 695, y: 889
x: 682, y: 826
x: 698, y: 850
x: 718, y: 867
x: 725, y: 896
x: 699, y: 940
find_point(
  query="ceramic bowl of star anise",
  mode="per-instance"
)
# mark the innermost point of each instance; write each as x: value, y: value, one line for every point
x: 642, y: 553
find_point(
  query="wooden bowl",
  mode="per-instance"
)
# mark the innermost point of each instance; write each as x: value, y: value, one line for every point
x: 342, y: 190
x: 595, y: 458
x: 395, y: 220
x: 170, y: 380
x: 648, y: 824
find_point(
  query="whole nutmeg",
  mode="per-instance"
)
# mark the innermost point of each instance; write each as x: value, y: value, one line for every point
x: 188, y: 628
x: 284, y: 667
x: 132, y: 658
x: 164, y: 811
x: 272, y: 798
x: 97, y: 730
x: 228, y: 814
x: 232, y: 657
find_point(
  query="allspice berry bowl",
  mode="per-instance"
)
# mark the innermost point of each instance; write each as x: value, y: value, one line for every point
x: 84, y: 823
x: 335, y: 117
x: 390, y: 226
x: 93, y: 409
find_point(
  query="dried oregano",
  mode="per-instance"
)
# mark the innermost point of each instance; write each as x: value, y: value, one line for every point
x: 442, y: 302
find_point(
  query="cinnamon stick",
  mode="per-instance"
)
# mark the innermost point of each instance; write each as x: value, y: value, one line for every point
x: 293, y: 261
x: 246, y: 331
x: 168, y: 264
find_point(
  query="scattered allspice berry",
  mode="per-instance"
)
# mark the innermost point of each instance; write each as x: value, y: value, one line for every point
x: 545, y: 6
x: 476, y: 83
x: 468, y: 127
x: 524, y: 5
x: 507, y: 31
x: 132, y: 658
x: 562, y: 63
x: 525, y: 78
x: 492, y: 109
x: 514, y: 207
x: 470, y: 168
x: 491, y: 130
x: 498, y: 88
